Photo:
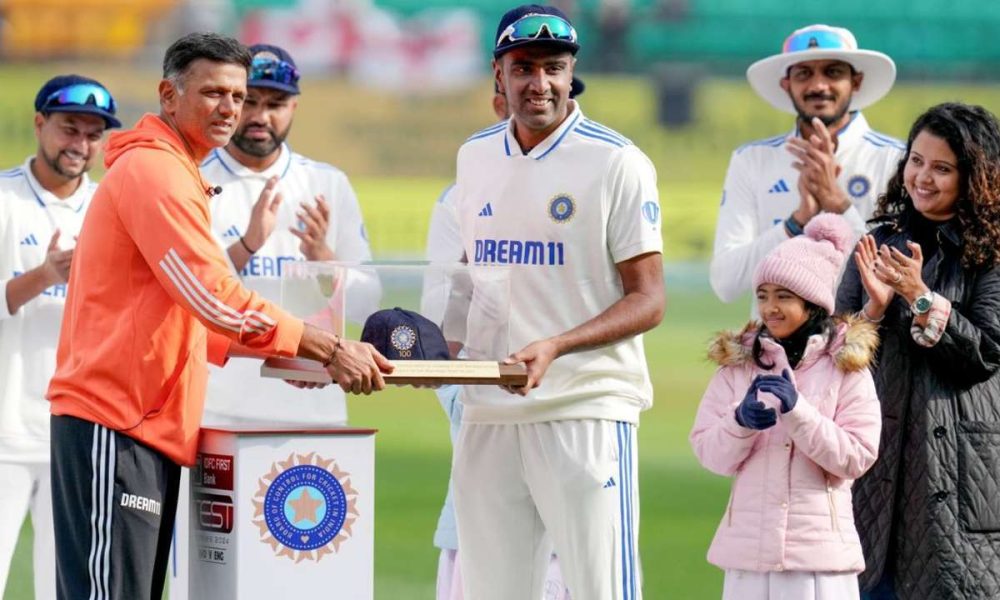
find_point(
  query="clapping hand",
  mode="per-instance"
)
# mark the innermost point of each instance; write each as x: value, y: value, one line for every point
x: 263, y: 216
x: 781, y: 387
x: 901, y: 272
x: 751, y: 413
x: 874, y: 275
x: 808, y: 206
x: 818, y: 168
x: 57, y: 262
x: 315, y: 221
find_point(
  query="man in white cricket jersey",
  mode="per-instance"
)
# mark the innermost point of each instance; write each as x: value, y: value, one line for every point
x: 42, y: 204
x: 572, y: 207
x: 275, y: 207
x: 444, y: 245
x: 832, y: 161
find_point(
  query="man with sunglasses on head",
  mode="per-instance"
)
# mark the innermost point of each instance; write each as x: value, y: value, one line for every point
x: 275, y: 207
x: 832, y: 161
x: 42, y: 205
x: 444, y: 245
x: 572, y: 208
x: 154, y: 302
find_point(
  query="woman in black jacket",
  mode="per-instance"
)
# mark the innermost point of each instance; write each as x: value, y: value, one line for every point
x: 928, y: 512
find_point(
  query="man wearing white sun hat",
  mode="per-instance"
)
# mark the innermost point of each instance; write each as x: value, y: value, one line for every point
x: 832, y: 161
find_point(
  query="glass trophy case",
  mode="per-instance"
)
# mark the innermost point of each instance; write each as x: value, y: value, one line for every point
x: 467, y: 305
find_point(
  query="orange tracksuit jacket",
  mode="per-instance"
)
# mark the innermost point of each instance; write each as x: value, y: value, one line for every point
x: 151, y: 298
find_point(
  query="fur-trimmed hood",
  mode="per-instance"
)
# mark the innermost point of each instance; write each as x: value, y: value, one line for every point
x: 853, y: 347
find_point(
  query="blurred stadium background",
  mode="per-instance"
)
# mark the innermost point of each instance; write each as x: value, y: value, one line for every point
x: 392, y: 87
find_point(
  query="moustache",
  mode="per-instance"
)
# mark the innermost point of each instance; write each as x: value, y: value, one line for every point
x: 246, y: 129
x: 74, y: 155
x: 819, y: 96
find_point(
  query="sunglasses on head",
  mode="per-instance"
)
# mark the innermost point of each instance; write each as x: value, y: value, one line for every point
x: 81, y: 94
x: 815, y: 38
x: 272, y: 69
x: 531, y: 27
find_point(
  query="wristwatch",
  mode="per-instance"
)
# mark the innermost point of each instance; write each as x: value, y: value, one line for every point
x: 922, y: 303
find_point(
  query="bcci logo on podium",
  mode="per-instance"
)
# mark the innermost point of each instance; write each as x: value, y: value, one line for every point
x: 305, y: 507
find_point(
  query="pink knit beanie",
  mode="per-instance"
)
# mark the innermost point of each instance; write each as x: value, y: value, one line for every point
x: 809, y: 265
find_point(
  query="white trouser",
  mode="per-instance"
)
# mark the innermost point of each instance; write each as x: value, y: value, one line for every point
x: 24, y: 487
x: 449, y: 579
x: 572, y: 482
x: 789, y: 585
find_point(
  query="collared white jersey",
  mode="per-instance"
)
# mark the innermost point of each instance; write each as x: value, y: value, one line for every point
x: 562, y: 217
x: 29, y: 215
x: 761, y: 191
x: 444, y: 245
x: 237, y: 393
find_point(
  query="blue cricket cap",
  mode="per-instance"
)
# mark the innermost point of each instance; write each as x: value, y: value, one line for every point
x: 77, y: 94
x: 401, y: 334
x: 507, y: 38
x: 273, y: 67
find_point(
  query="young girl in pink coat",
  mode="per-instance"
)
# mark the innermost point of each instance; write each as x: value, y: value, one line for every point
x: 792, y: 416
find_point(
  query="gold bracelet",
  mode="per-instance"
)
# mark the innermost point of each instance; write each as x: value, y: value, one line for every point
x: 336, y: 347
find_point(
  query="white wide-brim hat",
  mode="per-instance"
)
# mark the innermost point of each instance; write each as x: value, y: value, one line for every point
x: 822, y: 42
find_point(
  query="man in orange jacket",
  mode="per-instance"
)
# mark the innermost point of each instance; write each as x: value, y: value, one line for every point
x: 150, y: 299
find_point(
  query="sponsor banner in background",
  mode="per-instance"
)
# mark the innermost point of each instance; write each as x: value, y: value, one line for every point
x: 212, y: 512
x: 435, y: 51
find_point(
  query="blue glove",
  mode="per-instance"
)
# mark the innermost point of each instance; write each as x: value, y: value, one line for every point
x: 782, y: 388
x: 751, y: 413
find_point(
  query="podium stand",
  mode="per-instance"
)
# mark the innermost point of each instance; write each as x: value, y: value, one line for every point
x: 283, y: 514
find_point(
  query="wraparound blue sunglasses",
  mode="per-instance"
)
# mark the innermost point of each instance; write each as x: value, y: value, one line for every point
x: 531, y: 27
x: 821, y: 39
x: 81, y: 94
x: 270, y: 69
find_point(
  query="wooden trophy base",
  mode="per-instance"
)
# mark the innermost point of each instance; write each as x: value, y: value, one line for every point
x: 408, y: 372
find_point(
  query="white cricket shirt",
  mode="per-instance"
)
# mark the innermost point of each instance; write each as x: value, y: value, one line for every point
x: 29, y: 215
x: 237, y: 394
x: 562, y: 217
x: 444, y: 245
x: 761, y: 191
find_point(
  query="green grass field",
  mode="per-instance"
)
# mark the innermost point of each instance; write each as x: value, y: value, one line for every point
x: 399, y: 152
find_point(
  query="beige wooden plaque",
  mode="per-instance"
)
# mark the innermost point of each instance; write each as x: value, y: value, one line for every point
x: 420, y: 372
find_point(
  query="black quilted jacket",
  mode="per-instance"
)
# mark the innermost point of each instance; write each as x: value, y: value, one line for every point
x: 928, y: 511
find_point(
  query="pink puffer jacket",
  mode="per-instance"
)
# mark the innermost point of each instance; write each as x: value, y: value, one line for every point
x: 790, y: 505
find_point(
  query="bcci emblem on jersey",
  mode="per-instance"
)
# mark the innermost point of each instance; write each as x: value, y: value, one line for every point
x: 305, y: 507
x: 651, y: 212
x: 858, y: 186
x: 562, y: 208
x: 403, y: 339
